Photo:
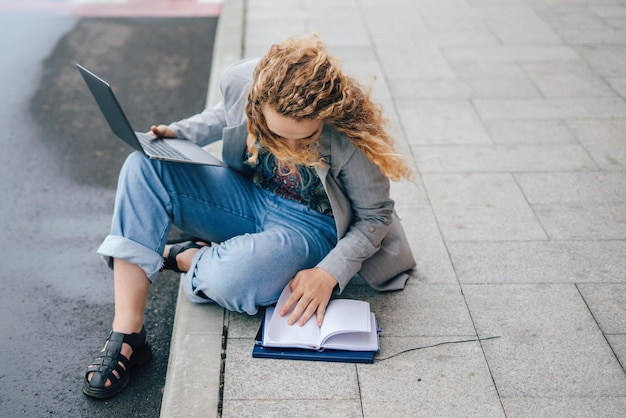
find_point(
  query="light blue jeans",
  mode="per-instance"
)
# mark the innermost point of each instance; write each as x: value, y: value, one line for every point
x: 264, y: 240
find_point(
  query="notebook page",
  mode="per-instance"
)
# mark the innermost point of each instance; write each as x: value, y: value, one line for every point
x: 279, y: 331
x: 345, y: 315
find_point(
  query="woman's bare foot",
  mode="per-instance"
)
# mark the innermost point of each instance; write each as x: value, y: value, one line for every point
x: 184, y: 255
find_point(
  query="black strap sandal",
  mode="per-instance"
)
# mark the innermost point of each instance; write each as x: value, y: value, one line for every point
x: 109, y: 364
x: 169, y: 262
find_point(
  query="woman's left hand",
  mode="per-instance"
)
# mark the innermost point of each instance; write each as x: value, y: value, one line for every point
x: 162, y: 131
x: 311, y: 289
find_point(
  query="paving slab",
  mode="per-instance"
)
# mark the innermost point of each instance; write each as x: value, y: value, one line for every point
x: 264, y: 31
x: 471, y: 207
x: 573, y: 187
x: 557, y: 108
x: 607, y: 303
x: 441, y: 122
x: 565, y: 407
x: 592, y: 221
x: 433, y: 262
x: 445, y: 381
x: 567, y: 79
x: 473, y: 68
x: 424, y: 62
x: 418, y: 310
x: 518, y: 29
x: 341, y: 408
x: 570, y: 16
x: 247, y: 378
x: 463, y: 89
x: 550, y: 344
x: 529, y: 131
x: 618, y: 344
x: 340, y: 29
x: 606, y: 60
x: 618, y: 84
x: 582, y: 205
x: 604, y: 140
x: 512, y: 53
x: 423, y: 234
x: 594, y: 36
x: 387, y: 24
x: 517, y: 262
x: 504, y: 158
x: 467, y: 37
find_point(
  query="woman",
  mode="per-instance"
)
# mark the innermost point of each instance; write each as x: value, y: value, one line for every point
x: 305, y: 201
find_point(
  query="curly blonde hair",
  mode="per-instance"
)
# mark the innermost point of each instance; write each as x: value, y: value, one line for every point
x: 298, y: 79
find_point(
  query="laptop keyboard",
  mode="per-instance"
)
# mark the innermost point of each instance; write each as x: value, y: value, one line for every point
x: 160, y: 148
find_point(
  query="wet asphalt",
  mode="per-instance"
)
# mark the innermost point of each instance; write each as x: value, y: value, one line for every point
x: 58, y: 172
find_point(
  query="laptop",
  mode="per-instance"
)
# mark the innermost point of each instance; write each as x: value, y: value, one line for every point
x: 167, y: 149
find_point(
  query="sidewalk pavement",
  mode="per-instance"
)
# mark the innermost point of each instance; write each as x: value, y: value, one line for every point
x: 514, y: 113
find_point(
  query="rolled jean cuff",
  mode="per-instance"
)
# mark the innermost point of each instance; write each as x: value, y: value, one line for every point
x: 115, y: 246
x: 190, y: 292
x: 188, y: 281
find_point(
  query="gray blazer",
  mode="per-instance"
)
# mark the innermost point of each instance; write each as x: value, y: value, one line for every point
x: 371, y: 241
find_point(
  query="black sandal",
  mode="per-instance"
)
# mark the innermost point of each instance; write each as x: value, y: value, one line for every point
x: 169, y: 262
x: 110, y: 360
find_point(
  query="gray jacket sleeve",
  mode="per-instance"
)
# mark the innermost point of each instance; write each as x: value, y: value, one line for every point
x: 202, y: 128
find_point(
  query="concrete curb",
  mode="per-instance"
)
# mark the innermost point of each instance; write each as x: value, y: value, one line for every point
x: 192, y: 384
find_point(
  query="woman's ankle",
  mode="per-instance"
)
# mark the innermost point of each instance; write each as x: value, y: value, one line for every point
x: 127, y: 326
x: 185, y: 257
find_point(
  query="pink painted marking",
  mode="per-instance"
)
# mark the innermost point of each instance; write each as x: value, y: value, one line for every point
x: 130, y: 8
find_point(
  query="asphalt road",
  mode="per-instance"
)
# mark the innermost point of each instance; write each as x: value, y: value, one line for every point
x: 58, y: 172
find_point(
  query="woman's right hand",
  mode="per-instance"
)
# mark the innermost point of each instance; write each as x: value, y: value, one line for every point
x: 162, y: 131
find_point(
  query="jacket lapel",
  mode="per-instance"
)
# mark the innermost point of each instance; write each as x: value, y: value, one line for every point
x: 234, y: 148
x: 338, y: 201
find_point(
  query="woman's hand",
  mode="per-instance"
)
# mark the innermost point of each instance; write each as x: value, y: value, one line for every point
x: 162, y: 131
x: 310, y: 292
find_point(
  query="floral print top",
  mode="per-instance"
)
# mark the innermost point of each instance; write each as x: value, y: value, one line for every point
x: 301, y: 184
